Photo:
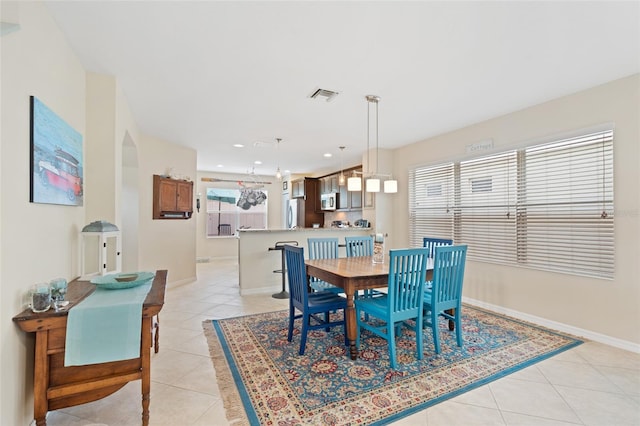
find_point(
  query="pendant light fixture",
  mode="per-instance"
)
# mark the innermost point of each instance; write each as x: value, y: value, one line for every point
x: 354, y: 183
x: 372, y: 184
x: 278, y: 172
x: 341, y: 178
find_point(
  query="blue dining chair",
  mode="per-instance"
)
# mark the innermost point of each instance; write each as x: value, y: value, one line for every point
x: 432, y: 243
x: 309, y: 304
x: 403, y: 301
x: 323, y: 248
x: 361, y: 246
x: 443, y: 295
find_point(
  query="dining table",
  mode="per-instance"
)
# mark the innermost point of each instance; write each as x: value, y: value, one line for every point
x: 353, y: 274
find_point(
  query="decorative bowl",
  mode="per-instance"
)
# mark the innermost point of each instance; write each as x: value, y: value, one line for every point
x: 115, y: 282
x: 125, y: 277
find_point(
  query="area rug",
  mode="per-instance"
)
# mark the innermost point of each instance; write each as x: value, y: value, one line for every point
x: 264, y: 381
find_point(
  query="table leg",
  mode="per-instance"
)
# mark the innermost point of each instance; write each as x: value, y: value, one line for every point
x: 145, y: 360
x: 41, y: 379
x: 351, y: 324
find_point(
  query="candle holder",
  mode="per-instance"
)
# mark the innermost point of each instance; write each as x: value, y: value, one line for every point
x: 378, y: 248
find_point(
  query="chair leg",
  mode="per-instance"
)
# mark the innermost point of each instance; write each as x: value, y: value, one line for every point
x: 391, y: 335
x: 346, y: 340
x: 303, y: 334
x: 436, y: 332
x: 291, y: 320
x: 458, y: 322
x: 419, y: 333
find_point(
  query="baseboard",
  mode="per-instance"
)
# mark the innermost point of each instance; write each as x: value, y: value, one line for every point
x: 260, y: 291
x: 209, y: 259
x: 565, y: 328
x: 171, y: 284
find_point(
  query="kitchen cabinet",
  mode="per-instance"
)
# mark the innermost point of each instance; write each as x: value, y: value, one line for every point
x: 172, y: 198
x: 349, y: 200
x: 309, y: 208
x: 297, y: 188
x: 329, y: 184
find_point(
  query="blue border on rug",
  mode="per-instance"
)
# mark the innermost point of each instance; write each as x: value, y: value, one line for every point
x: 242, y: 390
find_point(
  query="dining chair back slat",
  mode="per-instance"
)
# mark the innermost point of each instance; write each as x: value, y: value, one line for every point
x: 432, y: 243
x: 359, y: 246
x: 323, y: 248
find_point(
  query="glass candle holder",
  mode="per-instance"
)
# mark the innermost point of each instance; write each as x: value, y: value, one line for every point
x: 378, y: 248
x: 40, y: 297
x: 58, y: 292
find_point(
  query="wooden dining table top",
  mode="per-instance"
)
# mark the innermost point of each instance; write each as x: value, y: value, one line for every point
x: 351, y: 267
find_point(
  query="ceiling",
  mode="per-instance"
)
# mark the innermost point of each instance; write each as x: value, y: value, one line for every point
x: 210, y: 74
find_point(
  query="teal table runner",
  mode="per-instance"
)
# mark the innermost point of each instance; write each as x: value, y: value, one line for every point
x: 106, y: 326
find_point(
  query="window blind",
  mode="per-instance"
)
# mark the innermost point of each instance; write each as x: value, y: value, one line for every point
x: 548, y: 206
x: 431, y: 196
x: 486, y: 208
x: 565, y: 210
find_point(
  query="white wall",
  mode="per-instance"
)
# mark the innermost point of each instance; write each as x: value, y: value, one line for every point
x: 165, y: 244
x: 607, y: 308
x: 39, y: 241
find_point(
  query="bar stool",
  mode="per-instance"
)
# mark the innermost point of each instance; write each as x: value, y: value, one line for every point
x: 283, y: 271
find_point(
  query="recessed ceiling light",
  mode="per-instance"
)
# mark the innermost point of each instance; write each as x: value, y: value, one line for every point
x: 328, y: 155
x: 257, y: 162
x: 238, y: 145
x: 220, y: 165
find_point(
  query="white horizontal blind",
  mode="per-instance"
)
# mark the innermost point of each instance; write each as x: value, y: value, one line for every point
x: 486, y: 208
x: 566, y: 206
x: 548, y: 206
x: 431, y: 196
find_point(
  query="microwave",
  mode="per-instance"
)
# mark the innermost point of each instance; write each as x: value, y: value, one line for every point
x: 328, y: 201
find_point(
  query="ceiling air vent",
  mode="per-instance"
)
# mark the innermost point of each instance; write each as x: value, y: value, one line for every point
x: 325, y: 94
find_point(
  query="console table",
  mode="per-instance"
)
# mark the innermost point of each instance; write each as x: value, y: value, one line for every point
x: 56, y: 386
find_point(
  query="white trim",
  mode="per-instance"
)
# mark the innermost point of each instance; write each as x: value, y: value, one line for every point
x: 172, y: 284
x: 260, y: 291
x: 565, y: 328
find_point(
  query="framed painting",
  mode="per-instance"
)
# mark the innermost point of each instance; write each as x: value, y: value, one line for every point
x: 56, y: 158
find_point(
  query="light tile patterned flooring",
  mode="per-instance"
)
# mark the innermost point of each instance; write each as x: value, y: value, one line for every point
x: 592, y: 384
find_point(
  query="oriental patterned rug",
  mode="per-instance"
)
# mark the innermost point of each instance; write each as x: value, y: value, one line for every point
x: 264, y: 381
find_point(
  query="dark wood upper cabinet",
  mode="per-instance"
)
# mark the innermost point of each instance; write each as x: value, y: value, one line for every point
x: 172, y: 199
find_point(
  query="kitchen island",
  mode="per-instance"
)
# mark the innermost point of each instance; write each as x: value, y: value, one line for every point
x: 256, y: 263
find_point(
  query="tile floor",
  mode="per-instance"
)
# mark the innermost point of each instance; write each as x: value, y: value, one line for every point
x: 592, y: 384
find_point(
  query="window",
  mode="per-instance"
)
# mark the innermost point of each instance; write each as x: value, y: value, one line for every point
x: 229, y: 210
x: 548, y: 206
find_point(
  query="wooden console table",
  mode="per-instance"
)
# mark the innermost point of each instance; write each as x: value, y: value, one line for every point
x: 56, y: 386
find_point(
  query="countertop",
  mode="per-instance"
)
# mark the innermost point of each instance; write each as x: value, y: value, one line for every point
x: 350, y: 228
